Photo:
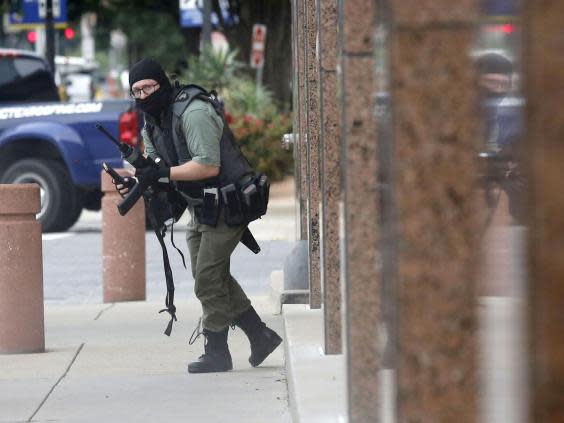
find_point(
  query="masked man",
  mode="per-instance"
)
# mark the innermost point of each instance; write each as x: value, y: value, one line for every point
x: 503, y: 128
x: 186, y: 130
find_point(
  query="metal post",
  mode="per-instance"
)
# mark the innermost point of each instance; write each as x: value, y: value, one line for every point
x: 50, y: 35
x: 206, y: 25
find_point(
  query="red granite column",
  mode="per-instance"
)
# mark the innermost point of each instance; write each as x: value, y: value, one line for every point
x: 360, y: 214
x: 544, y: 85
x: 297, y: 106
x: 22, y: 328
x: 330, y: 182
x: 436, y: 139
x: 300, y: 144
x: 312, y: 122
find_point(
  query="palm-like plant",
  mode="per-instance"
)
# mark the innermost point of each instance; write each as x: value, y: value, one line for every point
x: 213, y: 68
x: 242, y: 96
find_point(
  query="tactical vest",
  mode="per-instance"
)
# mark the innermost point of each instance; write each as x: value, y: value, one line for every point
x: 234, y: 166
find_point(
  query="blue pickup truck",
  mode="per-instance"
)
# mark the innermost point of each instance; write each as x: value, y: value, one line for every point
x: 55, y: 144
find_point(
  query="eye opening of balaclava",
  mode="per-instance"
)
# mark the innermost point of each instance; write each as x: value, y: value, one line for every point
x: 155, y: 103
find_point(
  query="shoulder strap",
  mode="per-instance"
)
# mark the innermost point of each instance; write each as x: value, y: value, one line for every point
x: 187, y: 94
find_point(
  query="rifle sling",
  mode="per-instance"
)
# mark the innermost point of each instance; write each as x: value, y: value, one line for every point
x: 169, y: 300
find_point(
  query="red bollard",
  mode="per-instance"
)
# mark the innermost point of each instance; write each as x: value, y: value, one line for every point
x: 123, y: 246
x: 22, y: 326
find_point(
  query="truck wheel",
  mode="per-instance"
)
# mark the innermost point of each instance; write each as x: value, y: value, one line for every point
x: 60, y: 200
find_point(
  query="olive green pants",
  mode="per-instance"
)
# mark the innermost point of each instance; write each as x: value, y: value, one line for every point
x: 221, y: 296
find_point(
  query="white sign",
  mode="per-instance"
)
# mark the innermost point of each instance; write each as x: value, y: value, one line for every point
x: 48, y: 110
x: 43, y: 8
x: 258, y: 46
x: 190, y: 4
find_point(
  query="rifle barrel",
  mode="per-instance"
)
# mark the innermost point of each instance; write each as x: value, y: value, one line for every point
x: 100, y: 128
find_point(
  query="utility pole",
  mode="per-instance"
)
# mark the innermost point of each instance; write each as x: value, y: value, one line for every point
x: 206, y: 24
x: 50, y: 35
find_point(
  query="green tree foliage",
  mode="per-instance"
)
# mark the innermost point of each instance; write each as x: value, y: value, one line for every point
x: 152, y: 34
x: 151, y: 27
x: 155, y: 24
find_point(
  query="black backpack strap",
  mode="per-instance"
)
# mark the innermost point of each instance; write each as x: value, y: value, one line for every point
x: 186, y: 95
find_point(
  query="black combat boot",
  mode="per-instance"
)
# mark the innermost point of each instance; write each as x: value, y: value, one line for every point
x: 216, y: 357
x: 263, y: 340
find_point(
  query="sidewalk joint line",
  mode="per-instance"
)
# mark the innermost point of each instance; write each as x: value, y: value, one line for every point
x: 103, y: 310
x: 57, y: 383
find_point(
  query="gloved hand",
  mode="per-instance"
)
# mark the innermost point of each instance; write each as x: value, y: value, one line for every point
x: 124, y: 188
x: 149, y: 175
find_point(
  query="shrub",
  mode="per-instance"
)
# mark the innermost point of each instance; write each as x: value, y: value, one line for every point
x: 260, y: 141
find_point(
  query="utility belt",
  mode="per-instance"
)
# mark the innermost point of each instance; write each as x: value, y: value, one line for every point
x: 241, y: 202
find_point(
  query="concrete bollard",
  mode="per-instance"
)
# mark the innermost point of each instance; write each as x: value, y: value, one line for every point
x: 22, y: 326
x: 123, y: 246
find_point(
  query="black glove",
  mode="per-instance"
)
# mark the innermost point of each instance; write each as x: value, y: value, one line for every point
x: 149, y: 175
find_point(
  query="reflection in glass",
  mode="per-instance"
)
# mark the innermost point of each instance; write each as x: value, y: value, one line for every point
x: 501, y: 290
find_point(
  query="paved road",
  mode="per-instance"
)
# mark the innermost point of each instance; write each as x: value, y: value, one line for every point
x: 72, y: 267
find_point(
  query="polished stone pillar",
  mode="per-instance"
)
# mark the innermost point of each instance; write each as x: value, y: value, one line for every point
x: 544, y: 85
x: 330, y: 181
x: 300, y: 125
x: 123, y: 246
x: 359, y: 205
x: 312, y: 133
x: 436, y: 136
x: 297, y: 107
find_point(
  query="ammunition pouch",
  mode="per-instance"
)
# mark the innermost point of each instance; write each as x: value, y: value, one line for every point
x: 246, y: 202
x: 208, y: 212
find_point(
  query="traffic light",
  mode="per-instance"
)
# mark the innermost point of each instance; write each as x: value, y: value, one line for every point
x: 32, y: 37
x: 69, y: 33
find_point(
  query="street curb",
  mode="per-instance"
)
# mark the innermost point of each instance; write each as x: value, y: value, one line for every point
x: 278, y: 296
x: 316, y: 382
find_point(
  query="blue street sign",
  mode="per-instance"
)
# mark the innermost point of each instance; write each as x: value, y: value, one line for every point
x: 29, y: 16
x: 191, y: 14
x: 500, y: 7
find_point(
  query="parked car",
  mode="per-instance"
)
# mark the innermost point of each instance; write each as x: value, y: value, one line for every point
x: 54, y: 144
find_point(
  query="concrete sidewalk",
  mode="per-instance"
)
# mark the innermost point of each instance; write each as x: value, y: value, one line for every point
x: 112, y: 363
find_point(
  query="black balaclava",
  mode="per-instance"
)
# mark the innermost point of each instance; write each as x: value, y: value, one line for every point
x: 156, y: 102
x: 494, y: 63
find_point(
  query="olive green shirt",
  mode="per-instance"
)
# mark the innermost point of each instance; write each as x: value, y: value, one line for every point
x: 202, y: 128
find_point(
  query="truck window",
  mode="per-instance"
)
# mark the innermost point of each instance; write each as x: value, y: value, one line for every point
x: 26, y: 80
x: 26, y: 66
x: 7, y: 70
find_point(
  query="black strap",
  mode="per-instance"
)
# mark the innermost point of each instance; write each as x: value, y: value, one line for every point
x: 169, y: 300
x: 174, y: 245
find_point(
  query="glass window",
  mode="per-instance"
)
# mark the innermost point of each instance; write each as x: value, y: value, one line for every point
x: 7, y: 71
x: 25, y: 66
